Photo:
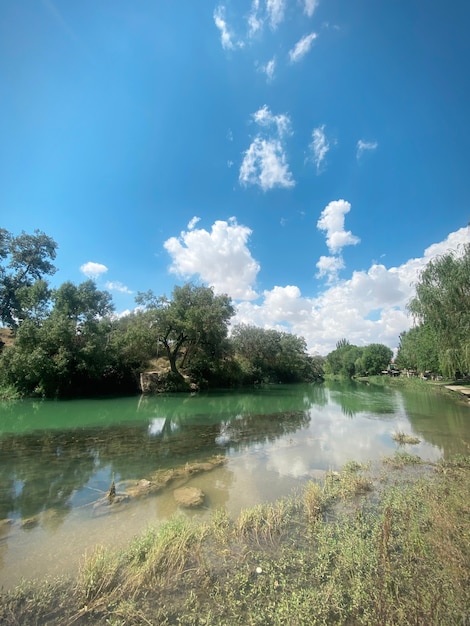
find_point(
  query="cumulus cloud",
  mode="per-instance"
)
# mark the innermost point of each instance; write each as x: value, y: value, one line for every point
x: 332, y: 221
x: 310, y: 6
x: 369, y: 307
x: 220, y: 257
x: 319, y: 146
x: 365, y: 146
x: 93, y: 270
x: 329, y: 266
x: 302, y: 47
x: 265, y: 162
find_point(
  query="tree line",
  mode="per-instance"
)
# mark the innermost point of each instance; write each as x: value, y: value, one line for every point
x: 68, y: 340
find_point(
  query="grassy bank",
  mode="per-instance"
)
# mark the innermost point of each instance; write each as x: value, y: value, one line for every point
x: 356, y: 549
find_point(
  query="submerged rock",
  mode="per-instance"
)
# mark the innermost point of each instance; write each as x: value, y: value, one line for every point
x: 5, y: 526
x: 29, y: 522
x: 189, y: 497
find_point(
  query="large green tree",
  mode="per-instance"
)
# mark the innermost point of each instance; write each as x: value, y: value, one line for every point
x: 344, y: 359
x: 418, y: 349
x: 268, y: 355
x: 375, y: 358
x: 24, y: 261
x: 70, y: 352
x: 190, y: 326
x: 442, y: 302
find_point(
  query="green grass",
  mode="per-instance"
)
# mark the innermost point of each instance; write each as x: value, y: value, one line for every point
x: 339, y: 552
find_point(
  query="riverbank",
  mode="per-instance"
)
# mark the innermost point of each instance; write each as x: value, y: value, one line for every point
x: 383, y: 546
x: 459, y: 388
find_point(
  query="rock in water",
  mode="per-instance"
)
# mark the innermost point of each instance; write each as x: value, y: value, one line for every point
x: 189, y: 497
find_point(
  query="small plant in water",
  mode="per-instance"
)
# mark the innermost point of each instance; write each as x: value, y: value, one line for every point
x: 402, y: 458
x: 403, y: 438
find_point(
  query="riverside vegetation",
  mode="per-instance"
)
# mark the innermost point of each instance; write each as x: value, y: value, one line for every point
x: 390, y: 546
x: 67, y: 341
x: 354, y: 549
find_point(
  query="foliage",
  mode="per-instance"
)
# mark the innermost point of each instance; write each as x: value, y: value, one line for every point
x: 348, y: 360
x: 442, y: 302
x: 375, y: 358
x: 418, y: 349
x: 24, y: 261
x: 342, y: 361
x: 69, y: 353
x: 273, y: 356
x: 190, y: 327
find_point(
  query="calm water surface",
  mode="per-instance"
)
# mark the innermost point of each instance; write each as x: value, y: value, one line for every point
x: 58, y: 458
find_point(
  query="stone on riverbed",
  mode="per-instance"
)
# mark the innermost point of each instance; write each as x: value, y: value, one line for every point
x: 189, y: 497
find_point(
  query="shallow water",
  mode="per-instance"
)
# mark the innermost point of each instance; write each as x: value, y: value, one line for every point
x: 58, y: 458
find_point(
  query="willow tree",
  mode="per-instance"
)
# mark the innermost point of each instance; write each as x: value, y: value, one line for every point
x: 443, y: 302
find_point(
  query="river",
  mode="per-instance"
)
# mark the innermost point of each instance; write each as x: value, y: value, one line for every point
x: 57, y: 458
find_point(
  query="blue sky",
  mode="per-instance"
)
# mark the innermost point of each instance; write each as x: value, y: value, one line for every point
x: 306, y: 157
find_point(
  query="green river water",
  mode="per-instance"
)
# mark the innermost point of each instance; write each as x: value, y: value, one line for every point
x: 57, y: 458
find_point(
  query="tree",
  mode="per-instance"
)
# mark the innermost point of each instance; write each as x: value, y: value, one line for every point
x: 442, y: 302
x: 418, y: 349
x: 342, y: 361
x: 192, y: 324
x: 25, y: 260
x: 69, y: 352
x: 273, y: 356
x: 375, y: 358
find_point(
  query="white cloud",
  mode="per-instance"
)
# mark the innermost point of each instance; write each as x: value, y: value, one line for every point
x: 93, y: 270
x: 329, y: 266
x: 275, y: 10
x: 369, y: 307
x: 255, y: 22
x: 319, y: 146
x: 269, y: 69
x: 365, y: 146
x: 302, y: 47
x: 193, y: 221
x: 310, y: 6
x: 265, y: 118
x: 117, y: 286
x: 332, y: 221
x: 220, y: 257
x: 265, y: 164
x: 226, y: 37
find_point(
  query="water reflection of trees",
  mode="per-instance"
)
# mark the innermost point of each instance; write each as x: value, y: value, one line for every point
x: 214, y: 405
x: 354, y: 397
x: 42, y: 470
x: 439, y: 420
